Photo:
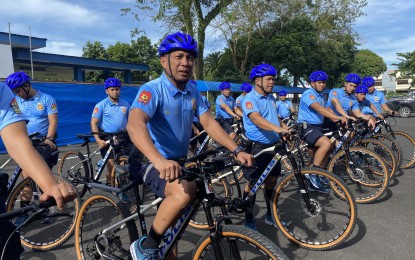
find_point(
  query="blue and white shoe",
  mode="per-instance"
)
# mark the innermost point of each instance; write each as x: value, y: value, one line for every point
x: 124, y: 197
x: 316, y: 184
x: 269, y: 220
x: 138, y: 253
x: 251, y: 225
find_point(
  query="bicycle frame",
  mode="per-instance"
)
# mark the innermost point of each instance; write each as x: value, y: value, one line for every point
x: 182, y: 223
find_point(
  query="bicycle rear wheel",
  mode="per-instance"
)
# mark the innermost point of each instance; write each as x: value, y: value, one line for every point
x: 99, y: 212
x: 74, y: 167
x: 237, y: 242
x: 369, y: 179
x: 50, y: 231
x: 407, y: 144
x: 326, y: 224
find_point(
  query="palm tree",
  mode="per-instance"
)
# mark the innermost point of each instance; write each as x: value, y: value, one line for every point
x: 212, y: 63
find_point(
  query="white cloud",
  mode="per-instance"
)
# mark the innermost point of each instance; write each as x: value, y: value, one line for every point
x: 53, y: 11
x: 63, y: 48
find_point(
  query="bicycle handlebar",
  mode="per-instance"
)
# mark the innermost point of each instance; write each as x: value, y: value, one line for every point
x: 42, y: 205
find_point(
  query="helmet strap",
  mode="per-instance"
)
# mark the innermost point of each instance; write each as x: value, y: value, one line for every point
x: 26, y: 91
x: 262, y: 87
x: 170, y: 73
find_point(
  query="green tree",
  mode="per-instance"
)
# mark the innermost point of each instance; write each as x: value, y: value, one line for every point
x: 191, y: 16
x: 94, y: 51
x: 406, y: 66
x: 212, y: 64
x: 368, y: 63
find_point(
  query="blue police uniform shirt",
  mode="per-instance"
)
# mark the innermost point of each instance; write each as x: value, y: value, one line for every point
x: 9, y: 108
x: 229, y: 101
x: 283, y: 108
x: 36, y: 109
x: 112, y: 116
x: 266, y: 107
x: 206, y: 101
x: 171, y: 113
x: 239, y: 100
x: 306, y: 114
x: 346, y: 101
x: 364, y: 106
x: 377, y: 98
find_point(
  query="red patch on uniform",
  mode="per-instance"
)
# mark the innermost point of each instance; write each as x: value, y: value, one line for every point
x: 144, y: 97
x: 95, y: 110
x: 249, y: 105
x: 334, y: 93
x: 15, y: 106
x: 312, y: 97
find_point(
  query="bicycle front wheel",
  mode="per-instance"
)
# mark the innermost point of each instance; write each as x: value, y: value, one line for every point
x: 74, y: 167
x: 407, y: 144
x: 100, y: 211
x: 50, y: 231
x: 364, y: 172
x: 237, y: 242
x: 325, y: 223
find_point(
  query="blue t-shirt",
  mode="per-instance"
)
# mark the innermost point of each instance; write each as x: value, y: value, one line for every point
x: 266, y: 107
x: 377, y: 98
x: 348, y: 102
x: 171, y: 113
x: 112, y: 116
x: 36, y: 109
x: 229, y: 101
x: 305, y: 112
x: 283, y: 108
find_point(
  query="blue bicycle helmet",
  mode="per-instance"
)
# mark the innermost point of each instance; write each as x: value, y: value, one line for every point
x: 353, y: 78
x: 224, y: 85
x: 282, y: 93
x: 178, y: 41
x: 112, y: 82
x: 17, y: 79
x: 361, y: 89
x: 262, y: 70
x: 246, y: 87
x: 368, y: 82
x: 318, y: 75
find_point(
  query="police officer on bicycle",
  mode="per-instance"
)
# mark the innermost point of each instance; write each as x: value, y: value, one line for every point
x: 225, y: 109
x: 262, y: 127
x: 110, y: 115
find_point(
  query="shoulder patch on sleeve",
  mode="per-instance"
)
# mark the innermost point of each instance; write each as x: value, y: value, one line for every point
x: 312, y: 97
x: 144, y: 97
x: 95, y: 110
x: 249, y: 105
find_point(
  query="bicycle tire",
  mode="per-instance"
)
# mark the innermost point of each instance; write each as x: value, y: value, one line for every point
x: 407, y: 144
x: 49, y: 232
x: 230, y: 235
x: 98, y: 212
x: 311, y: 229
x: 199, y: 220
x: 74, y: 167
x: 384, y: 151
x: 393, y: 144
x: 370, y: 179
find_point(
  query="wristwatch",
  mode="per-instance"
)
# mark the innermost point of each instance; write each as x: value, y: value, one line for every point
x: 237, y: 150
x: 49, y: 138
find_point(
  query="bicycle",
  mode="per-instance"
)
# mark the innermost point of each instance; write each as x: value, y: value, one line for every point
x: 80, y: 170
x: 296, y: 210
x: 406, y: 142
x: 118, y: 230
x: 45, y: 231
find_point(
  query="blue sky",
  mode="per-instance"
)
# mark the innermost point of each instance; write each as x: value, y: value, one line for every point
x: 387, y: 28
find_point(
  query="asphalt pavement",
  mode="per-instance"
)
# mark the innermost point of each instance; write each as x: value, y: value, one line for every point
x: 384, y: 229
